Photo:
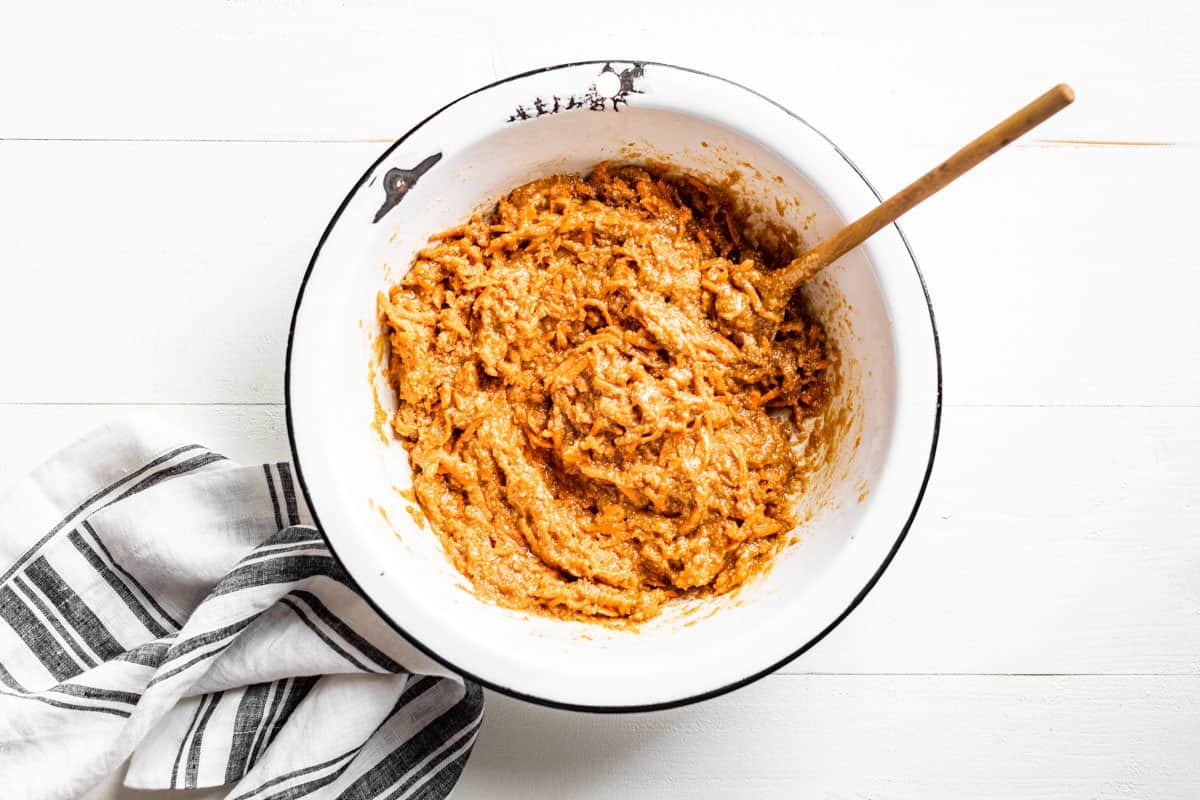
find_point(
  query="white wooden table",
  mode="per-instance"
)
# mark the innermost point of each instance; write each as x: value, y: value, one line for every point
x: 165, y: 172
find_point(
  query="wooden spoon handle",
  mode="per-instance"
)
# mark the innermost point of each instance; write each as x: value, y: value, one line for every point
x: 829, y: 250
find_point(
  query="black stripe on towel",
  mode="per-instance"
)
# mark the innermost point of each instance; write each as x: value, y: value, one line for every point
x: 94, y: 693
x: 116, y: 712
x: 431, y: 767
x: 119, y: 586
x: 296, y: 692
x: 203, y: 639
x: 296, y: 533
x: 193, y: 761
x: 73, y: 610
x: 287, y: 776
x: 282, y: 569
x: 334, y: 646
x: 263, y: 552
x: 8, y: 680
x: 246, y: 723
x: 224, y: 635
x: 150, y: 654
x: 260, y: 735
x: 441, y: 784
x: 75, y: 512
x: 37, y: 637
x: 289, y: 492
x: 274, y: 496
x: 411, y: 758
x: 87, y: 526
x: 171, y: 673
x: 416, y: 687
x: 182, y: 468
x: 301, y: 789
x: 83, y: 657
x: 346, y: 632
x: 183, y: 742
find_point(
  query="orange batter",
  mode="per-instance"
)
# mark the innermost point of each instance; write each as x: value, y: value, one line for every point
x: 600, y: 412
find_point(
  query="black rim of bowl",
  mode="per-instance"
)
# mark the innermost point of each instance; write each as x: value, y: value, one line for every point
x: 696, y: 698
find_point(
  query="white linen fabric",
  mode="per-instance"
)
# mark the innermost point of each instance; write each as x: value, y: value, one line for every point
x: 162, y: 604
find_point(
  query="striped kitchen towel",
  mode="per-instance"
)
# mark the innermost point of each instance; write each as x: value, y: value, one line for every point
x: 163, y: 605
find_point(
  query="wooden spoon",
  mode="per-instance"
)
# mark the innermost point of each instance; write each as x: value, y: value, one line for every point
x: 778, y: 286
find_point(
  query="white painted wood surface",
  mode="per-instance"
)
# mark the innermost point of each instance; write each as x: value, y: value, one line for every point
x: 166, y: 170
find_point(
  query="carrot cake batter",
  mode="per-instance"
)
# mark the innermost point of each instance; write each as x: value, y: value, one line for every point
x: 599, y: 409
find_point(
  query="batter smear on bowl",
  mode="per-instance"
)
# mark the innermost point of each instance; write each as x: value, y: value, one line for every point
x: 600, y: 412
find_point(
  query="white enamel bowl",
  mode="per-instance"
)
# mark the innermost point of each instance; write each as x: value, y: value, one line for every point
x: 873, y: 302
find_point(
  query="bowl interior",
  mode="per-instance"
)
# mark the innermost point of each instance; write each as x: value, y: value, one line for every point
x: 871, y: 302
